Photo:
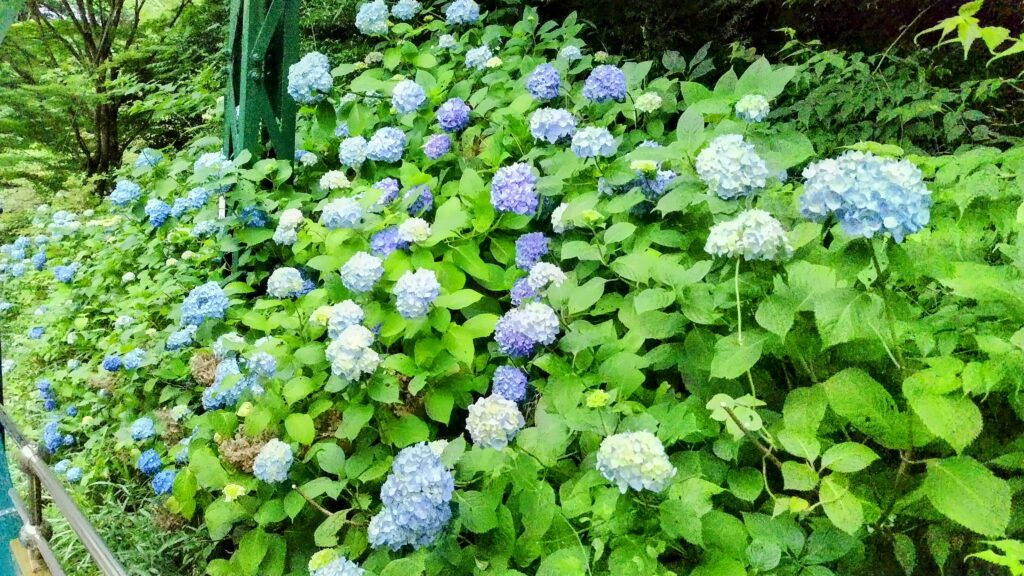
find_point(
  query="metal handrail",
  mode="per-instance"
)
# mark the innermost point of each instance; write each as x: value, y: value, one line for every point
x: 41, y: 473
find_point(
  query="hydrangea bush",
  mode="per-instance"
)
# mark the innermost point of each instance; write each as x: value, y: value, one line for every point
x: 614, y: 323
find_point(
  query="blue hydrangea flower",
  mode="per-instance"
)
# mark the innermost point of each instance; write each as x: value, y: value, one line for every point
x: 309, y: 79
x: 158, y: 212
x: 494, y: 421
x: 149, y: 462
x: 635, y: 460
x: 415, y: 292
x: 253, y: 217
x: 181, y: 338
x: 273, y: 462
x: 163, y: 482
x: 522, y: 329
x: 262, y: 364
x: 191, y: 202
x: 752, y: 235
x: 408, y: 96
x: 216, y: 163
x: 605, y: 83
x: 372, y: 18
x: 447, y: 42
x: 361, y: 272
x: 453, y: 115
x: 570, y: 53
x: 424, y: 199
x: 112, y: 363
x: 341, y: 130
x: 509, y: 382
x: 39, y: 260
x: 18, y: 270
x: 229, y: 384
x: 869, y: 195
x: 133, y: 360
x: 148, y: 157
x: 202, y: 303
x: 352, y: 151
x: 544, y: 274
x: 285, y: 283
x: 476, y: 58
x: 36, y: 332
x: 125, y: 193
x: 389, y: 188
x: 72, y: 411
x: 416, y: 496
x: 342, y: 213
x: 594, y: 142
x: 62, y: 466
x: 731, y: 168
x: 329, y: 563
x: 306, y: 158
x: 386, y: 145
x: 753, y: 108
x: 65, y: 274
x: 513, y: 189
x: 544, y: 82
x: 343, y: 315
x: 552, y: 125
x: 74, y: 475
x: 405, y: 10
x: 522, y: 292
x: 53, y: 440
x: 143, y: 429
x: 387, y: 241
x: 462, y: 12
x: 351, y: 355
x: 437, y: 145
x: 530, y: 248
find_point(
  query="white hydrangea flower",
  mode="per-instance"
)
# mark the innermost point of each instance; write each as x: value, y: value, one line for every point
x: 543, y: 274
x: 753, y: 235
x: 494, y: 421
x: 414, y: 230
x: 648, y: 102
x: 350, y: 353
x: 635, y: 460
x: 334, y: 180
x: 557, y: 219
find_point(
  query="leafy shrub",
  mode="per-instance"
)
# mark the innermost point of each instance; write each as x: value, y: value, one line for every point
x: 730, y: 369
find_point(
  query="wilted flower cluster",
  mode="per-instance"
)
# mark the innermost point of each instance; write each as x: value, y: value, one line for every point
x: 273, y: 462
x: 416, y: 497
x: 309, y: 79
x: 635, y: 460
x: 753, y: 235
x: 731, y: 167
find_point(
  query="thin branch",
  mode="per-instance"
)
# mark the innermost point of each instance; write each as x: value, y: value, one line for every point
x: 311, y: 501
x: 775, y: 460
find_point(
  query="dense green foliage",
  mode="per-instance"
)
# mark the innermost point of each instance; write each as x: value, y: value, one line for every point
x: 852, y: 409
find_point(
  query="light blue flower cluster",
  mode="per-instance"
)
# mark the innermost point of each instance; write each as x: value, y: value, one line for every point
x: 309, y: 79
x: 181, y: 338
x: 408, y: 96
x: 202, y: 303
x: 386, y: 145
x: 389, y: 188
x: 262, y: 364
x: 405, y: 10
x: 306, y: 158
x: 253, y: 217
x: 731, y: 168
x: 462, y: 12
x: 509, y: 382
x: 570, y: 53
x: 544, y: 82
x: 149, y: 462
x: 415, y: 292
x: 868, y: 194
x: 351, y: 355
x: 342, y: 213
x: 334, y: 565
x: 594, y: 142
x: 513, y: 189
x: 158, y: 212
x: 45, y: 388
x: 343, y: 315
x: 53, y: 440
x: 361, y: 272
x: 521, y: 330
x: 65, y: 274
x: 494, y: 421
x: 285, y: 283
x: 149, y: 157
x: 753, y: 108
x: 191, y: 202
x: 74, y: 475
x: 437, y: 145
x: 143, y: 429
x: 752, y: 235
x: 214, y: 164
x: 125, y: 193
x: 36, y: 332
x: 605, y: 83
x: 552, y: 125
x: 287, y: 231
x: 530, y: 248
x: 453, y: 115
x: 163, y: 482
x: 5, y: 307
x: 447, y: 42
x: 39, y: 260
x: 273, y: 462
x: 635, y: 460
x: 416, y: 497
x: 229, y: 384
x: 134, y: 359
x: 386, y: 241
x: 372, y: 18
x: 476, y: 58
x: 352, y: 151
x: 205, y: 228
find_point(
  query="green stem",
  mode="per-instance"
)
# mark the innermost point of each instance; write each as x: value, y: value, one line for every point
x: 886, y: 304
x: 739, y: 309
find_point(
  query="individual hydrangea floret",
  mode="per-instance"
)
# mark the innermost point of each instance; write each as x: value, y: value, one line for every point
x: 285, y: 283
x: 414, y: 230
x: 437, y: 145
x: 143, y: 429
x: 521, y: 330
x: 648, y: 102
x: 352, y: 151
x: 126, y: 193
x: 416, y: 496
x: 462, y: 12
x: 868, y: 194
x: 509, y: 382
x: 372, y: 18
x: 753, y: 235
x: 386, y: 241
x: 544, y: 83
x: 605, y: 83
x: 594, y: 142
x: 342, y: 213
x: 163, y: 482
x: 405, y: 10
x: 513, y: 189
x: 204, y: 302
x: 494, y: 421
x: 530, y: 248
x: 753, y: 108
x: 386, y: 145
x: 544, y: 274
x: 361, y: 272
x: 273, y: 462
x: 415, y: 292
x: 408, y: 96
x: 731, y: 168
x: 453, y: 115
x: 309, y: 79
x: 635, y: 460
x: 476, y: 58
x: 552, y: 125
x: 149, y: 157
x: 351, y: 355
x: 570, y: 53
x: 149, y: 462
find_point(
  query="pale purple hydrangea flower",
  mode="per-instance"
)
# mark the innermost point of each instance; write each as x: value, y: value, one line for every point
x: 513, y: 189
